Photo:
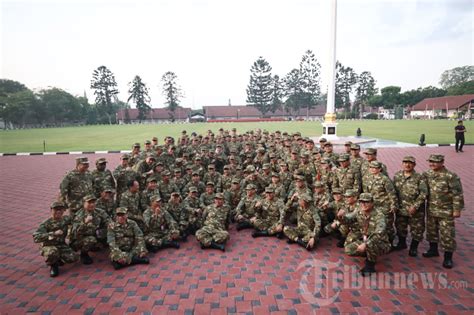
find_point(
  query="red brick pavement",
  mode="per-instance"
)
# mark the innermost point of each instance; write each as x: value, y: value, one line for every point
x: 252, y: 276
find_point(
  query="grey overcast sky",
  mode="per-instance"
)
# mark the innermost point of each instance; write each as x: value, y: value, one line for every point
x: 211, y: 44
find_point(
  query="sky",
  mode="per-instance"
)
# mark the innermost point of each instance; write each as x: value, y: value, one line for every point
x: 211, y: 44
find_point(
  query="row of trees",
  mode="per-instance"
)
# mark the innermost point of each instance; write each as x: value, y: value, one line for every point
x: 301, y: 88
x: 22, y: 107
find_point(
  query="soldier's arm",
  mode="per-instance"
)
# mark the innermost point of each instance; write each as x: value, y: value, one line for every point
x: 111, y: 239
x: 41, y: 234
x: 148, y: 217
x: 317, y: 223
x: 458, y: 196
x: 423, y: 193
x: 63, y: 188
x: 350, y: 217
x: 139, y: 240
x: 173, y: 225
x: 391, y: 193
x: 380, y: 229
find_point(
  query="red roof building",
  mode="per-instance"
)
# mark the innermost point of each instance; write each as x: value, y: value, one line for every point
x: 251, y: 112
x: 156, y: 115
x: 445, y: 106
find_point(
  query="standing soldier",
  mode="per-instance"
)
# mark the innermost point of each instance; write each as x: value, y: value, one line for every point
x: 134, y: 155
x: 76, y: 185
x: 125, y: 238
x: 412, y: 191
x: 371, y: 240
x: 162, y: 229
x: 270, y: 214
x: 123, y: 173
x: 214, y: 233
x: 445, y: 203
x: 102, y: 177
x: 52, y: 235
x: 89, y: 229
x: 308, y: 224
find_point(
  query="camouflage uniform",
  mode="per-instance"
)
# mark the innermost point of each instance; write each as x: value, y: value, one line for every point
x: 89, y: 236
x: 166, y: 189
x: 108, y: 205
x: 345, y: 177
x: 102, y: 180
x: 131, y: 201
x: 214, y: 228
x: 125, y: 241
x: 445, y: 194
x: 308, y: 224
x: 321, y: 201
x: 206, y: 199
x: 160, y: 228
x: 193, y: 208
x: 123, y: 175
x: 246, y: 208
x: 74, y: 187
x: 411, y: 191
x: 145, y: 197
x: 270, y: 214
x: 180, y: 214
x: 53, y: 247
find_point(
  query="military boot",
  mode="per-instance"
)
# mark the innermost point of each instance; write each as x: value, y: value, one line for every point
x: 413, y: 252
x: 171, y: 244
x: 280, y: 235
x: 140, y: 260
x: 243, y: 225
x: 54, y: 272
x: 86, y: 259
x: 302, y: 243
x: 259, y: 233
x: 290, y: 241
x: 402, y: 243
x: 118, y: 265
x: 433, y: 251
x: 341, y: 242
x: 448, y: 260
x: 218, y: 246
x: 368, y: 269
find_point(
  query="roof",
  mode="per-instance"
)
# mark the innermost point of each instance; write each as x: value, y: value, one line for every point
x: 437, y: 103
x: 155, y: 113
x: 252, y: 111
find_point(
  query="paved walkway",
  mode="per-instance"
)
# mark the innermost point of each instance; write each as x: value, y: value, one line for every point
x: 252, y: 276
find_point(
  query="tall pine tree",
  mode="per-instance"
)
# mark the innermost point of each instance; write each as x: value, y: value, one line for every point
x: 171, y: 91
x: 310, y: 71
x: 139, y: 95
x: 105, y: 88
x: 259, y: 89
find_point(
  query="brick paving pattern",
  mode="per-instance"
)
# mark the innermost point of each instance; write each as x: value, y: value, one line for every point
x: 259, y: 276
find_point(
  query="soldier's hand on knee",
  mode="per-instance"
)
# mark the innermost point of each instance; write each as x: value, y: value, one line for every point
x: 279, y: 228
x: 58, y: 232
x: 361, y: 248
x: 456, y: 213
x: 253, y: 219
x: 142, y: 254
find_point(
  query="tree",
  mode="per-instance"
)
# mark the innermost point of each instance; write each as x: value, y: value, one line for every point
x: 172, y: 91
x: 259, y: 89
x: 365, y: 89
x: 19, y: 107
x: 293, y: 91
x: 139, y: 94
x: 412, y: 97
x: 389, y: 97
x: 8, y: 87
x: 310, y: 71
x: 346, y: 79
x: 60, y: 107
x: 462, y: 88
x: 105, y: 88
x: 456, y: 76
x: 277, y: 94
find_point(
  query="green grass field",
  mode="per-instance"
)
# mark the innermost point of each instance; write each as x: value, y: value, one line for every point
x: 120, y: 137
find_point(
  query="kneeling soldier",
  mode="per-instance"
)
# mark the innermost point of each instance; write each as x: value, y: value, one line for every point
x: 309, y: 224
x: 372, y: 240
x: 214, y: 233
x: 162, y: 229
x: 52, y: 234
x: 126, y: 243
x: 89, y: 229
x: 270, y: 214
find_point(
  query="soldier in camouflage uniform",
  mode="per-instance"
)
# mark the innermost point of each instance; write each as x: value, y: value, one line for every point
x: 321, y: 200
x: 89, y: 229
x: 102, y: 177
x: 245, y: 211
x: 52, y: 235
x: 124, y: 173
x: 329, y: 154
x: 214, y: 233
x: 278, y: 188
x: 382, y: 190
x: 192, y: 206
x: 195, y: 182
x: 134, y: 156
x: 214, y: 177
x: 270, y: 215
x: 372, y: 240
x: 226, y: 178
x: 178, y: 180
x: 166, y: 187
x: 177, y: 209
x: 130, y: 200
x: 162, y: 229
x: 144, y: 168
x: 76, y: 185
x: 411, y: 191
x: 232, y: 197
x: 253, y: 178
x: 325, y: 174
x: 371, y: 155
x: 106, y: 201
x: 207, y: 198
x: 300, y: 188
x: 308, y: 224
x: 125, y: 238
x: 150, y: 191
x: 345, y: 229
x: 344, y: 176
x: 445, y: 203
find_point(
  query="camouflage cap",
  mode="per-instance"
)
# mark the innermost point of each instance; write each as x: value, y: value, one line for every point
x: 89, y: 198
x: 108, y: 189
x: 177, y: 171
x: 150, y: 156
x: 195, y: 173
x: 210, y: 184
x: 269, y: 190
x: 272, y: 155
x: 436, y: 158
x: 219, y: 196
x: 151, y: 179
x: 235, y: 181
x: 211, y: 167
x: 304, y: 155
x: 147, y: 142
x: 155, y: 198
x: 136, y: 145
x: 318, y: 184
x: 250, y: 187
x: 227, y: 167
x: 58, y: 205
x: 265, y: 166
x: 82, y: 160
x: 306, y: 197
x: 337, y: 190
x: 348, y: 143
x: 343, y: 157
x: 355, y: 146
x: 189, y: 167
x: 179, y: 160
x: 260, y: 150
x: 101, y: 161
x: 166, y: 173
x: 193, y: 189
x: 250, y: 168
x: 197, y: 158
x: 125, y: 157
x: 299, y: 177
x: 409, y: 158
x: 371, y: 151
x: 323, y: 140
x: 154, y: 139
x: 328, y: 144
x: 375, y: 164
x: 159, y: 163
x: 350, y: 193
x: 121, y: 210
x: 275, y: 174
x: 366, y: 197
x: 157, y: 147
x: 175, y: 193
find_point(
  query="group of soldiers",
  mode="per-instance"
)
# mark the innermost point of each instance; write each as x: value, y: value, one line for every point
x: 277, y: 184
